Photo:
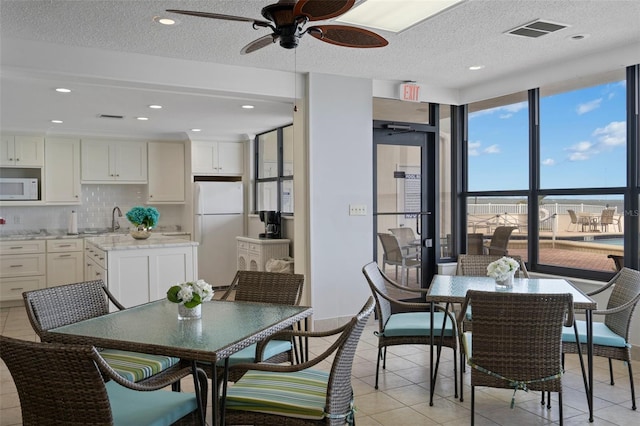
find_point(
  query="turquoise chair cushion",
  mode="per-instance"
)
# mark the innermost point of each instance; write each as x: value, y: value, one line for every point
x: 602, y: 335
x: 299, y: 394
x: 416, y: 324
x: 155, y: 408
x: 248, y: 354
x: 136, y: 366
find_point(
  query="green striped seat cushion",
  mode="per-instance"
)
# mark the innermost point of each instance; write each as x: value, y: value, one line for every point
x: 248, y: 354
x: 154, y: 408
x: 300, y: 394
x: 136, y: 366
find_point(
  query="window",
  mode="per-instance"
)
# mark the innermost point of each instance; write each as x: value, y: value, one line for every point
x: 274, y: 170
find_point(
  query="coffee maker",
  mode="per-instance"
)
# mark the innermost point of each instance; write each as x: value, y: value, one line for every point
x: 271, y: 220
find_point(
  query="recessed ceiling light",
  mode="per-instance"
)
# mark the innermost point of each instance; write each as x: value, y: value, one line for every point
x: 476, y: 67
x: 164, y: 21
x: 63, y: 90
x: 247, y: 106
x: 142, y: 118
x: 196, y: 130
x: 155, y: 106
x: 56, y: 121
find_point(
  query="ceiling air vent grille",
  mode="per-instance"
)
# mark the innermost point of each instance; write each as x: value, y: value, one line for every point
x: 537, y: 28
x: 111, y: 116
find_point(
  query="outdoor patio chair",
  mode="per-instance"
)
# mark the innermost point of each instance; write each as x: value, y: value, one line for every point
x: 262, y: 287
x: 606, y: 219
x: 394, y: 255
x: 408, y: 328
x: 516, y: 341
x: 575, y: 220
x: 617, y: 260
x: 54, y: 307
x: 60, y: 384
x: 500, y: 240
x: 300, y: 394
x: 407, y: 238
x: 611, y: 337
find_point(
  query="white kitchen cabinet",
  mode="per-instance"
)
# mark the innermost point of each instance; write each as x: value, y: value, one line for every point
x: 114, y: 161
x: 62, y: 171
x: 22, y: 268
x: 217, y: 158
x: 65, y: 261
x: 21, y: 151
x: 166, y: 172
x: 253, y: 253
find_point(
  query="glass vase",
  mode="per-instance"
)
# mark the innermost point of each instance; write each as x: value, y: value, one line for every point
x: 185, y: 313
x: 506, y: 283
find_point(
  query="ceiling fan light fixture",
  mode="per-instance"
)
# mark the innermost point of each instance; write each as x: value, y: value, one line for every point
x: 394, y: 16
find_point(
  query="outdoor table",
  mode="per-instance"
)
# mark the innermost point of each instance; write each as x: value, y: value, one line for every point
x: 453, y: 289
x: 226, y: 327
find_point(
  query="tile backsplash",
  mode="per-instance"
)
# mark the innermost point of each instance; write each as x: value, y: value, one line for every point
x: 98, y: 202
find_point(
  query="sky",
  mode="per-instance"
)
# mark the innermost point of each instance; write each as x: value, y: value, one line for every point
x: 582, y: 141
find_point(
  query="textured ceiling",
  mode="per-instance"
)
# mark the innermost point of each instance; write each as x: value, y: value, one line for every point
x: 436, y: 52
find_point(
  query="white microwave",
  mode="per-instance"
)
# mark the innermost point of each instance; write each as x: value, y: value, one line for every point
x: 18, y: 189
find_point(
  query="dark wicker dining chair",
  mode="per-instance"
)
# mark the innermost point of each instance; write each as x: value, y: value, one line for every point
x: 54, y: 307
x: 408, y: 328
x: 263, y: 287
x: 300, y: 394
x: 610, y: 337
x: 500, y: 240
x: 516, y: 341
x: 60, y: 384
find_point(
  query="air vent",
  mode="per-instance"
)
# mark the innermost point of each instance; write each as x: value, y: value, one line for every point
x: 537, y: 28
x: 111, y: 116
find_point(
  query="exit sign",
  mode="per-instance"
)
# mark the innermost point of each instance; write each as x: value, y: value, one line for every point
x: 410, y: 92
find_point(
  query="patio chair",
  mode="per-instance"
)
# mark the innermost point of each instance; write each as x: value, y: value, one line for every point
x: 500, y: 240
x: 575, y: 220
x: 611, y: 337
x: 475, y: 243
x: 61, y: 384
x: 516, y: 341
x: 606, y: 219
x: 408, y: 328
x: 262, y: 287
x: 617, y: 260
x: 407, y: 238
x: 300, y: 394
x: 54, y: 307
x: 394, y: 255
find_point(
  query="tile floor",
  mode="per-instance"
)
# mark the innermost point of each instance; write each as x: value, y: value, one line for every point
x: 402, y: 398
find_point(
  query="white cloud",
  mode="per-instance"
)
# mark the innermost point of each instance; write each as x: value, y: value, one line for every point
x: 548, y: 162
x: 493, y: 149
x: 588, y: 106
x: 581, y: 151
x: 613, y: 134
x: 473, y: 148
x: 578, y: 156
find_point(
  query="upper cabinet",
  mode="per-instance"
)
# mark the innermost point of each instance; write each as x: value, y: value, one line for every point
x: 166, y: 172
x: 217, y: 158
x: 21, y: 151
x: 62, y: 171
x: 105, y: 161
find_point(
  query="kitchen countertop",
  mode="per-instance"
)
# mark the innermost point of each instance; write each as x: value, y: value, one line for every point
x: 45, y: 234
x: 127, y: 242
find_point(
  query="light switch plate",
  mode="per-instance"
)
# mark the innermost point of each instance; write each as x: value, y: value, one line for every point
x: 357, y: 210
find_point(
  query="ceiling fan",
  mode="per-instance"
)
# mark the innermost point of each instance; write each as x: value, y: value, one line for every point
x: 287, y: 20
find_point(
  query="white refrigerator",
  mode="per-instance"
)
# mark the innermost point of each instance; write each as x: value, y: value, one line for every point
x: 219, y: 219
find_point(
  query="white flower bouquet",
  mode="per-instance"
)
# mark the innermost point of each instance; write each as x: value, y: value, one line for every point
x: 502, y: 268
x: 190, y: 294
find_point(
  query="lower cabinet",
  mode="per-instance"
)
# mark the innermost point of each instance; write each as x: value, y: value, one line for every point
x: 22, y: 268
x: 253, y: 253
x: 65, y: 260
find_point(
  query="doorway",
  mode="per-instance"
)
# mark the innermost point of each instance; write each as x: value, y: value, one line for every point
x: 404, y: 201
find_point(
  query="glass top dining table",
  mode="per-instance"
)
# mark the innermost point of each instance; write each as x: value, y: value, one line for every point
x: 225, y: 328
x: 453, y: 289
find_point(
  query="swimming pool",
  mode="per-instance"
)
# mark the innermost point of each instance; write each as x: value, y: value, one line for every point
x: 610, y: 241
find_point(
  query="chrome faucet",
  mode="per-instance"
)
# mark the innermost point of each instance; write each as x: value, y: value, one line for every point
x: 114, y: 222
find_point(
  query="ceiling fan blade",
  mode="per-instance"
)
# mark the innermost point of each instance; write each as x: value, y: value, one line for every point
x: 259, y: 43
x: 343, y: 35
x: 219, y: 16
x: 319, y: 10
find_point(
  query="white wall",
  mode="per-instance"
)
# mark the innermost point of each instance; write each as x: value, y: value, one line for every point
x: 340, y: 173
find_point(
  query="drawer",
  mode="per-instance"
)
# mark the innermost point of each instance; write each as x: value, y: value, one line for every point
x: 243, y: 245
x: 59, y: 246
x: 255, y: 248
x: 21, y: 265
x: 12, y: 288
x: 98, y: 256
x: 22, y: 247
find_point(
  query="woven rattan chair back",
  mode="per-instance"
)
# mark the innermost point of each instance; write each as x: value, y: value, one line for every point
x: 625, y: 290
x: 266, y: 287
x: 500, y: 240
x: 377, y: 283
x: 606, y: 218
x: 67, y: 304
x: 475, y: 265
x: 516, y: 340
x: 404, y: 234
x: 391, y: 248
x: 618, y: 261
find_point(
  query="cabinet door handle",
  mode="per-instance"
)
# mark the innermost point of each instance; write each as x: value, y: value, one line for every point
x: 97, y: 274
x: 16, y: 248
x: 64, y: 255
x: 10, y: 159
x: 16, y: 266
x: 17, y: 159
x: 64, y: 245
x: 17, y: 288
